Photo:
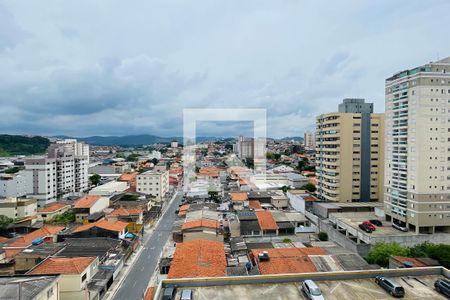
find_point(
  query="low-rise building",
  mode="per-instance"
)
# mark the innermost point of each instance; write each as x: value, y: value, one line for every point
x: 110, y: 188
x: 88, y: 205
x: 102, y: 228
x: 13, y: 185
x: 18, y: 208
x: 198, y: 258
x: 76, y: 272
x: 153, y: 183
x: 50, y: 211
x: 30, y: 287
x: 202, y: 229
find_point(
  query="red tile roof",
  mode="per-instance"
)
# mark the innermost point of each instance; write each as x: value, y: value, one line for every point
x: 86, y: 201
x: 254, y: 204
x: 183, y: 210
x: 417, y: 263
x: 63, y: 265
x: 149, y: 293
x: 239, y: 196
x: 132, y: 211
x: 288, y: 260
x: 198, y: 258
x: 209, y: 171
x: 128, y: 177
x: 266, y: 220
x: 46, y: 230
x: 200, y: 223
x: 117, y: 226
x: 54, y: 207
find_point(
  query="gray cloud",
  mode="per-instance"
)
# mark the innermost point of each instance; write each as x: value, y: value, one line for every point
x: 109, y: 67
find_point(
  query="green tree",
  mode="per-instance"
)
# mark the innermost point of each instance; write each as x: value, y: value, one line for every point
x: 276, y: 156
x: 439, y: 252
x: 380, y: 253
x: 285, y: 188
x: 301, y: 165
x: 95, y: 179
x: 5, y: 221
x: 309, y: 187
x: 132, y: 157
x: 155, y: 161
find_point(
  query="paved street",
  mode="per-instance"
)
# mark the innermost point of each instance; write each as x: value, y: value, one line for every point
x: 137, y: 279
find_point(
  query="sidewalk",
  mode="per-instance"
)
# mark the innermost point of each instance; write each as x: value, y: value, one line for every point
x: 130, y: 262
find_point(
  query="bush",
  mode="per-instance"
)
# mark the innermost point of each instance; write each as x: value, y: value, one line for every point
x: 323, y: 236
x: 380, y: 253
x: 286, y: 240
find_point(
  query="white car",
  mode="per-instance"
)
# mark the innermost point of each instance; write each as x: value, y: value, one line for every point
x: 311, y: 290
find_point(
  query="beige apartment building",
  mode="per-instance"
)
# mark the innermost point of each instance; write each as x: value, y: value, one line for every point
x: 155, y: 183
x: 417, y: 182
x: 349, y: 153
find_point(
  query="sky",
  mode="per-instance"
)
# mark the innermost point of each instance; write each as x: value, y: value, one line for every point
x: 87, y: 67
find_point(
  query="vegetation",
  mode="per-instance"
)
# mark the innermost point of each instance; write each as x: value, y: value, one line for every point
x: 285, y: 188
x: 213, y: 196
x: 380, y: 253
x: 129, y: 197
x: 5, y: 221
x: 309, y: 187
x: 132, y: 157
x: 63, y: 219
x: 155, y: 161
x: 286, y: 240
x: 95, y: 179
x: 22, y: 145
x: 323, y: 236
x: 13, y: 170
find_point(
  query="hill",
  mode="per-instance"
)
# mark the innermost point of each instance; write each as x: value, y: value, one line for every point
x: 22, y: 145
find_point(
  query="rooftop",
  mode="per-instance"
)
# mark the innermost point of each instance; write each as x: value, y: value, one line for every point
x: 239, y: 196
x: 54, y: 207
x: 25, y: 287
x: 198, y: 258
x: 266, y: 220
x: 132, y: 211
x: 25, y: 240
x: 86, y: 202
x: 200, y: 223
x: 63, y: 265
x: 117, y: 226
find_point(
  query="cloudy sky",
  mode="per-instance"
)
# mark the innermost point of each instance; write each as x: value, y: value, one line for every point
x: 119, y: 67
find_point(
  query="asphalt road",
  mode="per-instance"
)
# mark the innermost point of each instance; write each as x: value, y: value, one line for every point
x: 138, y: 277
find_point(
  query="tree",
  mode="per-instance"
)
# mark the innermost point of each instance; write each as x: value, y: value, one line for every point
x: 132, y: 157
x: 309, y: 187
x: 277, y: 156
x: 301, y: 164
x: 323, y: 236
x: 213, y: 196
x: 380, y: 253
x: 5, y: 221
x: 95, y: 179
x: 155, y: 161
x: 285, y: 188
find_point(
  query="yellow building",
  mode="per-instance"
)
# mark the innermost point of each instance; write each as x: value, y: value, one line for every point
x: 350, y: 153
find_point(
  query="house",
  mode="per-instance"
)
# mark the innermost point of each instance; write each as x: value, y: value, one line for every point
x: 18, y: 208
x: 46, y: 234
x: 279, y: 200
x: 130, y: 178
x: 239, y: 200
x: 102, y: 228
x: 203, y: 229
x: 131, y: 215
x: 267, y: 223
x: 50, y: 211
x: 31, y: 256
x: 248, y: 223
x: 30, y: 287
x: 285, y: 226
x: 198, y: 258
x: 76, y: 272
x: 88, y: 205
x: 182, y: 211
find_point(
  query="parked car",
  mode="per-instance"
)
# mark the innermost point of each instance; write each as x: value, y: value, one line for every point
x: 390, y: 286
x: 376, y: 222
x: 186, y: 295
x: 365, y: 228
x: 443, y: 287
x: 370, y: 225
x: 311, y: 290
x: 169, y: 293
x: 400, y: 227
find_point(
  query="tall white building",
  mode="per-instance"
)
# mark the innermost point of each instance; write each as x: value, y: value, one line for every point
x: 309, y: 139
x: 417, y: 170
x: 13, y: 185
x: 63, y: 171
x: 155, y: 183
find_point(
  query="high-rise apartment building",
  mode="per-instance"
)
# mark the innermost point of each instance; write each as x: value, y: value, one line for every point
x: 349, y: 153
x: 417, y: 181
x: 245, y: 148
x: 63, y: 171
x: 309, y: 139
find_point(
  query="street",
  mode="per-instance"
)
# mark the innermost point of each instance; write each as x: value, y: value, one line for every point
x: 138, y: 277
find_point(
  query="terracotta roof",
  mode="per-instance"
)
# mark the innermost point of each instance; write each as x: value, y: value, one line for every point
x: 86, y: 201
x: 63, y: 265
x: 132, y: 211
x: 288, y: 260
x: 3, y: 239
x: 198, y: 258
x: 266, y: 220
x: 117, y: 226
x: 239, y: 196
x: 200, y: 223
x: 53, y: 207
x: 254, y: 204
x: 309, y: 199
x: 46, y: 230
x: 128, y: 177
x: 183, y: 210
x: 417, y: 263
x: 149, y: 293
x: 209, y: 171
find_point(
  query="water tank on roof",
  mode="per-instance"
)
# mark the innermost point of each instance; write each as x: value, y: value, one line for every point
x: 37, y: 241
x: 408, y: 264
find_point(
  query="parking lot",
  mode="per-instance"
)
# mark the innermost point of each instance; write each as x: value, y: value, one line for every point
x: 416, y: 288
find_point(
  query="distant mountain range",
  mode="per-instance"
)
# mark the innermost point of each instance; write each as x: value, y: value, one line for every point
x: 11, y: 145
